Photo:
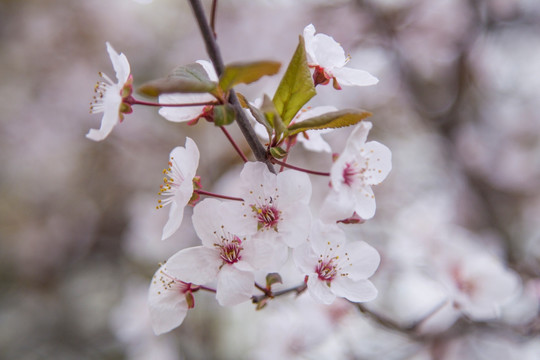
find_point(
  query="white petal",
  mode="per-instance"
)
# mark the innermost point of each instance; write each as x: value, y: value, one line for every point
x: 209, y: 68
x: 120, y: 65
x: 364, y: 203
x: 358, y: 137
x: 309, y: 34
x: 110, y: 118
x: 328, y: 53
x: 197, y: 265
x: 263, y: 252
x: 355, y: 291
x: 336, y: 206
x: 293, y: 187
x: 257, y: 182
x: 182, y: 113
x: 315, y: 142
x: 379, y: 162
x: 325, y: 236
x: 364, y: 258
x: 354, y: 77
x: 234, y: 286
x: 295, y: 224
x: 187, y: 159
x: 167, y: 308
x: 176, y: 215
x: 305, y: 259
x: 207, y: 220
x: 319, y: 290
x: 240, y: 219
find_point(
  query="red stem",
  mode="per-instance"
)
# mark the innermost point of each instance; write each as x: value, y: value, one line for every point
x: 207, y: 193
x: 233, y: 143
x: 146, y: 103
x: 275, y: 161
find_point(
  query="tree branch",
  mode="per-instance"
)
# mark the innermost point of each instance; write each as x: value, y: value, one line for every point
x: 215, y: 56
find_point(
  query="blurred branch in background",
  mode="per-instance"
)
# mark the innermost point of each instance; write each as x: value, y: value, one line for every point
x: 79, y: 235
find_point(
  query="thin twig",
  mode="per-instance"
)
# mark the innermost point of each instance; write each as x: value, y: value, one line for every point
x: 234, y: 144
x: 213, y: 18
x: 215, y: 55
x: 284, y: 164
x: 207, y: 193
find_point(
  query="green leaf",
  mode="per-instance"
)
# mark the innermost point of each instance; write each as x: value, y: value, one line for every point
x: 273, y: 278
x: 278, y: 152
x: 272, y: 116
x: 296, y: 87
x: 223, y: 115
x: 191, y: 78
x: 246, y: 73
x: 331, y: 120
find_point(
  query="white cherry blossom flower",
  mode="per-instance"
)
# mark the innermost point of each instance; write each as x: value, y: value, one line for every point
x: 188, y: 113
x: 478, y: 283
x: 275, y: 206
x: 167, y: 301
x: 335, y: 267
x: 361, y: 165
x: 328, y: 59
x: 226, y: 256
x: 112, y: 99
x: 178, y: 184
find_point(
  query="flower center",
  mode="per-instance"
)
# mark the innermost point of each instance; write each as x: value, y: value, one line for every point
x: 352, y: 173
x: 229, y: 250
x: 267, y: 216
x: 327, y: 269
x: 171, y: 182
x: 320, y: 76
x: 107, y: 92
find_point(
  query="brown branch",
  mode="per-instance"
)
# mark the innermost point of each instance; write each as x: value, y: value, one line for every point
x: 215, y: 55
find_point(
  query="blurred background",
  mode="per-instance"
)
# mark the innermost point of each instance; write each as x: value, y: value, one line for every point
x: 457, y: 103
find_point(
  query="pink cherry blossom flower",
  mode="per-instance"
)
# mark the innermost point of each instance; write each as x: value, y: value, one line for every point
x: 336, y: 268
x: 328, y: 59
x: 110, y: 96
x: 188, y: 113
x: 178, y: 184
x: 226, y: 256
x: 275, y: 206
x: 361, y: 165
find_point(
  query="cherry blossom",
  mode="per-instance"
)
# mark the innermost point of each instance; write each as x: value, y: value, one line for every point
x: 188, y: 113
x: 178, y: 184
x: 276, y: 207
x: 110, y: 98
x: 478, y: 283
x: 167, y: 301
x: 336, y: 268
x: 361, y: 165
x: 226, y: 256
x: 328, y: 59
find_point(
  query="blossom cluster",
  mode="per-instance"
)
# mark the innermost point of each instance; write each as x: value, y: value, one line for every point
x: 269, y: 220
